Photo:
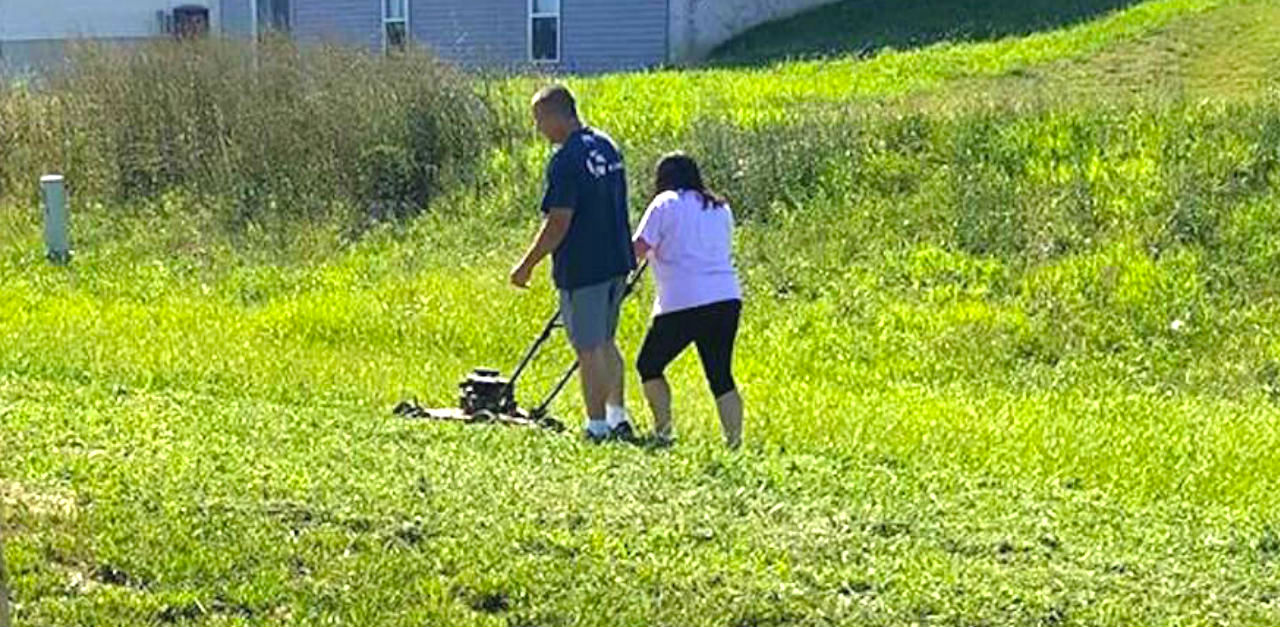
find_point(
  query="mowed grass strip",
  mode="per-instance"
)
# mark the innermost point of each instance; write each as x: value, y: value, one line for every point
x: 214, y: 510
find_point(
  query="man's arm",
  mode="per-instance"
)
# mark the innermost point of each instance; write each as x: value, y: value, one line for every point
x: 554, y: 228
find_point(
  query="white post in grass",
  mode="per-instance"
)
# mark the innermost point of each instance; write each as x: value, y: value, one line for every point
x: 57, y: 248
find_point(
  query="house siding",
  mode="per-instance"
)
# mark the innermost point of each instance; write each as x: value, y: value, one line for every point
x: 596, y: 35
x: 38, y: 55
x: 353, y: 22
x: 350, y: 22
x: 35, y: 34
x: 489, y: 33
x: 237, y: 17
x: 32, y: 20
x: 601, y: 35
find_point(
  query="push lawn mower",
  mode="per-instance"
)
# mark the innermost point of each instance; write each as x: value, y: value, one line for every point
x: 488, y: 397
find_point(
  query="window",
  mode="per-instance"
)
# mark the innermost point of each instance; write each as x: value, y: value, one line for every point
x: 544, y: 30
x: 395, y: 25
x: 272, y: 16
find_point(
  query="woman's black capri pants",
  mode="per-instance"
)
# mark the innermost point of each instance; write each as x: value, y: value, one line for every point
x: 712, y: 328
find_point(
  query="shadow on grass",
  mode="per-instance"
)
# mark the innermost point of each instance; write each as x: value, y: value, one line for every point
x: 862, y: 27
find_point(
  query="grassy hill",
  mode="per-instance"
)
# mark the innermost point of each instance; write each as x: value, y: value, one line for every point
x: 1009, y: 351
x: 861, y: 28
x: 1237, y: 43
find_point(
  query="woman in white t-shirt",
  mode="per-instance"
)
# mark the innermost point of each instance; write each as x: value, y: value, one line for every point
x: 687, y: 235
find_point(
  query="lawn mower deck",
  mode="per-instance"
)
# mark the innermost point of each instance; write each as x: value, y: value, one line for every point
x: 486, y: 398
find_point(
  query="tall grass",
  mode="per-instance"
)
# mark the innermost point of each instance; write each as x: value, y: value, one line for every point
x: 270, y: 134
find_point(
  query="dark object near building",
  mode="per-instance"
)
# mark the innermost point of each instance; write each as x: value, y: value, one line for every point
x: 190, y: 21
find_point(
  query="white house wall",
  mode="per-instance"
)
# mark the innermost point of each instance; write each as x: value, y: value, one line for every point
x: 34, y: 33
x: 35, y: 20
x: 698, y: 26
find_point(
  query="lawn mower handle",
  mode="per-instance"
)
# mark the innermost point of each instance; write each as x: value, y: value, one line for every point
x: 541, y: 410
x: 551, y: 325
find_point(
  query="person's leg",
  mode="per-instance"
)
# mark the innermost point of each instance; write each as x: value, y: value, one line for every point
x: 658, y: 393
x: 617, y: 387
x: 595, y: 377
x: 666, y: 339
x: 615, y: 406
x: 729, y: 406
x: 717, y: 329
x: 582, y: 315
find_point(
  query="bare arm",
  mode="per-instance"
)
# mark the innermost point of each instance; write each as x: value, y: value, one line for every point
x: 641, y: 248
x: 554, y: 228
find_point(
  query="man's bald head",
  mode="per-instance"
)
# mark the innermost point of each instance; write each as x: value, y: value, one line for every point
x: 556, y: 113
x: 556, y: 100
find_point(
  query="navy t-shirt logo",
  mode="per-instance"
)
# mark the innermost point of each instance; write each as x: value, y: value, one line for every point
x: 597, y: 164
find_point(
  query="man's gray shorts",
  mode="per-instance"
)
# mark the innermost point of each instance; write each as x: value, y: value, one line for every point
x: 590, y: 313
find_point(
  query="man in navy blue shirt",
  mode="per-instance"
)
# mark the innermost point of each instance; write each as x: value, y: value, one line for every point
x: 587, y: 231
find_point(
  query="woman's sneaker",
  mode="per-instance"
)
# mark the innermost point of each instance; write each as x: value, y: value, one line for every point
x: 623, y: 433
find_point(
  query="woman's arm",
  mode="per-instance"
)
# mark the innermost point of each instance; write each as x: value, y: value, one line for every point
x: 641, y: 248
x: 648, y: 235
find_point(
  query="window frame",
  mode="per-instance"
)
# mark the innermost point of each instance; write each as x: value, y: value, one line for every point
x: 558, y: 15
x: 261, y: 29
x: 383, y: 5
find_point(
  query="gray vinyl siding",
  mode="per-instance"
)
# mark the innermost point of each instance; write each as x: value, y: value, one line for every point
x: 40, y: 55
x: 595, y: 35
x: 598, y: 35
x: 237, y: 17
x: 353, y: 22
x: 19, y: 57
x: 489, y: 33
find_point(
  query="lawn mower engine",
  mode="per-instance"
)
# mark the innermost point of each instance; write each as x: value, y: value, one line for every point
x: 485, y: 397
x: 486, y: 390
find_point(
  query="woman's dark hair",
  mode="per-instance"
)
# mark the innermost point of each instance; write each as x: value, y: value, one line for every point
x: 677, y: 172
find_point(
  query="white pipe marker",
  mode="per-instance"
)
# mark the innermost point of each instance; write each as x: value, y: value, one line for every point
x: 54, y: 191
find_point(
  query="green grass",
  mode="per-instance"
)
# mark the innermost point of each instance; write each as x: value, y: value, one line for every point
x: 1231, y: 53
x: 1007, y: 361
x: 853, y: 27
x: 228, y: 456
x: 669, y: 102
